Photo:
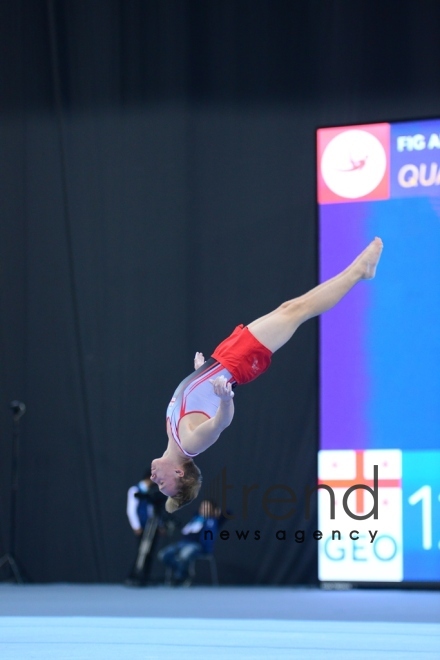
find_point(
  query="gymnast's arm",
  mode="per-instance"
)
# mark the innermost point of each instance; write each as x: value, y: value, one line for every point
x: 197, y: 440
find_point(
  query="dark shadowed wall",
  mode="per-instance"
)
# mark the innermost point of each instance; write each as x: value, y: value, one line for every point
x: 157, y: 188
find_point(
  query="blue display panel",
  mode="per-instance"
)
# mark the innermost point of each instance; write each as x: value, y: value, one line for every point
x: 421, y: 515
x: 380, y: 353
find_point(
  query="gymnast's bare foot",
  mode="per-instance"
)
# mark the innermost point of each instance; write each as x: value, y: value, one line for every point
x: 367, y: 261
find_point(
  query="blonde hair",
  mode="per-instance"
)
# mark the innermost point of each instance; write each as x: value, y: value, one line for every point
x: 189, y: 487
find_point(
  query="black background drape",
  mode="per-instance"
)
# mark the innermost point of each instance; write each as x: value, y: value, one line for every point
x: 157, y: 188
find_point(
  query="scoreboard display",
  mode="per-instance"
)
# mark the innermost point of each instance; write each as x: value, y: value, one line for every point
x: 380, y: 354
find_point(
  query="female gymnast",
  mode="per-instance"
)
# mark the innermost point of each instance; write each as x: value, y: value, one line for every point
x: 202, y: 406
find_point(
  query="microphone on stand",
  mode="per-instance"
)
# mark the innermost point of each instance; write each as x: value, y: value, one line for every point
x: 18, y: 409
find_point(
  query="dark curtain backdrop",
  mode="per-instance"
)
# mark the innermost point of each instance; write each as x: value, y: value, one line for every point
x: 157, y: 188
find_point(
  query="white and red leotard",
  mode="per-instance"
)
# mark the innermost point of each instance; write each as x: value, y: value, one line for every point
x: 196, y: 395
x: 240, y: 358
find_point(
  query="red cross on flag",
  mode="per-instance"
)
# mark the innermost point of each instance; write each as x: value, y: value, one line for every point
x: 348, y: 468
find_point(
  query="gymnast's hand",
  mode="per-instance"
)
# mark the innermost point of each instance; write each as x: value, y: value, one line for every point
x: 199, y: 359
x: 222, y: 388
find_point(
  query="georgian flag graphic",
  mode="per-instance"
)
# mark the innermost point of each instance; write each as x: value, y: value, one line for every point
x: 376, y: 555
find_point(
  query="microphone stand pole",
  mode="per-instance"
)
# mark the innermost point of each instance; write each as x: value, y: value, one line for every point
x: 18, y: 409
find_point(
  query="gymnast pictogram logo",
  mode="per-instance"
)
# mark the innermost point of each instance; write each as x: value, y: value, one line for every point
x: 353, y: 163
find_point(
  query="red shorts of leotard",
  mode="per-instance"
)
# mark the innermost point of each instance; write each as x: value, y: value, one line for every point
x: 243, y: 355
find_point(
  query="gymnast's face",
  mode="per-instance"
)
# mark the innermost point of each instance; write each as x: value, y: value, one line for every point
x: 166, y: 475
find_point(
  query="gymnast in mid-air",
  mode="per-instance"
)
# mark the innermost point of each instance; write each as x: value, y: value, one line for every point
x: 202, y: 406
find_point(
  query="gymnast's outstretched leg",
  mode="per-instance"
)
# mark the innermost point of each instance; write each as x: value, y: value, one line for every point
x: 276, y: 328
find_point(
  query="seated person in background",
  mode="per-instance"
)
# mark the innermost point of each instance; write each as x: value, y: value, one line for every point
x: 178, y: 556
